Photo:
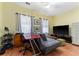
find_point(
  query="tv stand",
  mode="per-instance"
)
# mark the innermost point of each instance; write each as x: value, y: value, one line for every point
x: 67, y: 38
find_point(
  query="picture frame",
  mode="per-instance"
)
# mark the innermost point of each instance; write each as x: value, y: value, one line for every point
x: 36, y: 21
x: 36, y: 29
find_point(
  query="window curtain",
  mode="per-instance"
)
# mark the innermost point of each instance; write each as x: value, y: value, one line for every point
x: 24, y: 25
x: 18, y: 24
x: 45, y: 28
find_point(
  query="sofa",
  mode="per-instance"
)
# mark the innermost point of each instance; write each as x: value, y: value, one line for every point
x: 47, y: 45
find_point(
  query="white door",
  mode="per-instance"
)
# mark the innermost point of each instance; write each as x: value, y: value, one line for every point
x: 75, y: 33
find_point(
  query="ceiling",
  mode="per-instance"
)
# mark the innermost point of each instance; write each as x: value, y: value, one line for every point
x: 49, y: 8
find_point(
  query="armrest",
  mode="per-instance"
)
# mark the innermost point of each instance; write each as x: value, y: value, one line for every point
x: 53, y: 37
x: 50, y: 39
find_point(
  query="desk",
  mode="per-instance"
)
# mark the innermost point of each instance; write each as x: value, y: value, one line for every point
x: 32, y: 38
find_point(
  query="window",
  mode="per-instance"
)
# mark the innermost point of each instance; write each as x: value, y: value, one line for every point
x: 44, y: 26
x: 25, y: 24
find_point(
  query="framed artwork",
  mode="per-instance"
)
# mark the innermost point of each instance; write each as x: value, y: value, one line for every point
x: 36, y: 25
x: 37, y: 22
x: 36, y: 29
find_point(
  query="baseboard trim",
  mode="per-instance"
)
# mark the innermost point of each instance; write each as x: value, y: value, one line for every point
x: 75, y: 45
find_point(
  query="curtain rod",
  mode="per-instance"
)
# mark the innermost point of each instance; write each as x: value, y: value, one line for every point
x: 22, y: 14
x: 30, y: 15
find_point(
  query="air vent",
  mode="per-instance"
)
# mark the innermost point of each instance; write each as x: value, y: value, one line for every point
x: 27, y: 3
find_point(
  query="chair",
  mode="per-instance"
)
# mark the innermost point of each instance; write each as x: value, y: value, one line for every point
x: 18, y: 40
x: 47, y: 44
x: 30, y: 44
x: 26, y: 45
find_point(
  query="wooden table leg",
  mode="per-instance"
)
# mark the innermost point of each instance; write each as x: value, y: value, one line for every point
x: 32, y: 46
x: 37, y: 47
x: 34, y: 53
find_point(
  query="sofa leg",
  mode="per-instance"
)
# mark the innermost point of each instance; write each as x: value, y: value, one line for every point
x: 43, y: 54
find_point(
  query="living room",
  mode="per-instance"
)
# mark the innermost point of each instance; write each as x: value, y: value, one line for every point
x: 56, y: 22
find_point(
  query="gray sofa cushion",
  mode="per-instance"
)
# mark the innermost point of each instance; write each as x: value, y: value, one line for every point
x: 49, y: 42
x: 48, y: 46
x: 43, y: 37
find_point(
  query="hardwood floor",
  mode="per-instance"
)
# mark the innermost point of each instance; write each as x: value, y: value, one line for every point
x: 15, y: 52
x: 67, y: 50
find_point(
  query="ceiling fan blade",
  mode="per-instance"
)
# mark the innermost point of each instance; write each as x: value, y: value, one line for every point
x: 28, y: 3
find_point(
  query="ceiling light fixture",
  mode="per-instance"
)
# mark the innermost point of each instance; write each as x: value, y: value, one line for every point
x: 50, y: 4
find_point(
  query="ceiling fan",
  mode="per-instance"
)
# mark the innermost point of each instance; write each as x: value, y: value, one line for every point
x: 27, y: 3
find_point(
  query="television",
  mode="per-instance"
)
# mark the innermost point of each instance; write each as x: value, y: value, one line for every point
x: 61, y: 30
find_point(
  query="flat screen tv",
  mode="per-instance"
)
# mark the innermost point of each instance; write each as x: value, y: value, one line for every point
x: 61, y: 30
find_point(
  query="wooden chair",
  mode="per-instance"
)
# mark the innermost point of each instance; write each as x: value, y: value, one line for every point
x: 18, y: 40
